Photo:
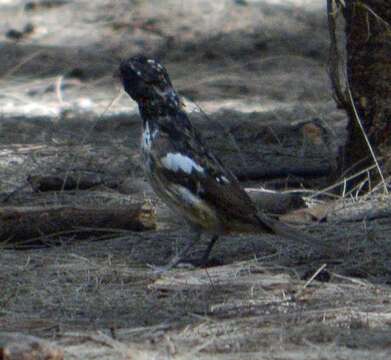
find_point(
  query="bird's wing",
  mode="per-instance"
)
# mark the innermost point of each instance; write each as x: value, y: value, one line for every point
x: 182, y: 158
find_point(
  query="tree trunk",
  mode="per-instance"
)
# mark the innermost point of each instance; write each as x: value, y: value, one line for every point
x: 368, y: 93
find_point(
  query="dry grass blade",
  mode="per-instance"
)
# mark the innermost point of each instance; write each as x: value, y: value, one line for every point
x: 342, y: 182
x: 377, y: 16
x: 311, y: 279
x: 21, y: 63
x: 367, y: 140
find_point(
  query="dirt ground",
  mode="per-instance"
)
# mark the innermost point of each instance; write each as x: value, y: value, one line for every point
x: 258, y: 61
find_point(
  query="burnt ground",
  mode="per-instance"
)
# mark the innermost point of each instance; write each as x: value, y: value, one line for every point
x: 248, y: 65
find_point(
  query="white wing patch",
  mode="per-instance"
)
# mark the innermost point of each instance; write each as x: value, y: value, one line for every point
x: 222, y: 179
x: 178, y: 161
x: 188, y: 196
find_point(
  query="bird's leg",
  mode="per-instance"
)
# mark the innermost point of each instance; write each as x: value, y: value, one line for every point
x: 182, y: 254
x: 206, y: 254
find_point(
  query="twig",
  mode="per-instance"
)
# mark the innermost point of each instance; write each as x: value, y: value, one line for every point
x: 311, y: 279
x: 210, y: 280
x: 352, y: 280
x: 59, y: 90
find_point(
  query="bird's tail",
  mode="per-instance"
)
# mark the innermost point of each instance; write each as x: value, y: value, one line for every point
x: 287, y: 231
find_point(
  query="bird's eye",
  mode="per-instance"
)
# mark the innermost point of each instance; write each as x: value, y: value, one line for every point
x: 154, y: 80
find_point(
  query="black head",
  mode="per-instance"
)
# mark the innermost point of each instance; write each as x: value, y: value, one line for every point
x: 146, y: 81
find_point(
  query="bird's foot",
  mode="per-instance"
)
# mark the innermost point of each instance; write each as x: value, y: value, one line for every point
x: 187, y: 264
x: 205, y: 263
x: 158, y: 270
x: 161, y: 270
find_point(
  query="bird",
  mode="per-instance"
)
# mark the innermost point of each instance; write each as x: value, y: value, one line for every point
x: 183, y: 171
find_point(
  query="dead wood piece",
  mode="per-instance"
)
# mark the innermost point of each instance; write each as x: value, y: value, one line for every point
x: 18, y: 224
x: 261, y: 172
x: 258, y: 148
x: 16, y: 346
x: 85, y: 198
x: 342, y: 211
x: 230, y: 276
x: 66, y: 182
x: 86, y: 345
x: 360, y: 210
x: 318, y: 213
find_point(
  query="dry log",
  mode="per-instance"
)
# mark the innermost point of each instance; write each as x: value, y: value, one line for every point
x: 268, y: 200
x: 96, y: 345
x: 83, y: 181
x: 342, y: 211
x: 16, y: 346
x: 64, y: 182
x: 85, y: 198
x: 257, y: 147
x: 19, y: 224
x: 232, y: 276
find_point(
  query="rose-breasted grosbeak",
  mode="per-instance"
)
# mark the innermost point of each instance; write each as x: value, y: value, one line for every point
x: 190, y: 179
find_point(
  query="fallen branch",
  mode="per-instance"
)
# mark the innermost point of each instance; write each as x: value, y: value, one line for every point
x: 64, y: 182
x: 19, y: 224
x: 15, y: 346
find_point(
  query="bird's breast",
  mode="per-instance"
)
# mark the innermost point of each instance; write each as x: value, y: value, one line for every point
x: 148, y: 136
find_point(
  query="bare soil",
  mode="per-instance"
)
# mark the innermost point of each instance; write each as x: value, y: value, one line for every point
x: 258, y: 63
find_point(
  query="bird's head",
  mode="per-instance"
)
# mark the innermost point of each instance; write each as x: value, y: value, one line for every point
x: 147, y: 81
